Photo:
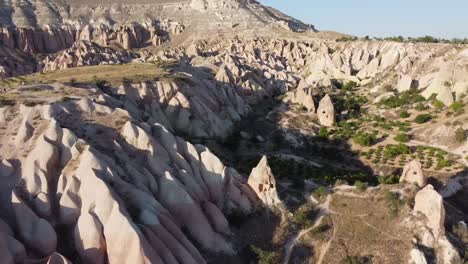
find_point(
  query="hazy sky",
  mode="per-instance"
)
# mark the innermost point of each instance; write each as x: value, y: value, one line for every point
x: 439, y: 18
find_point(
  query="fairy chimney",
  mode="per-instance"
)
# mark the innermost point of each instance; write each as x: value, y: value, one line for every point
x: 263, y: 182
x: 326, y: 111
x: 413, y: 173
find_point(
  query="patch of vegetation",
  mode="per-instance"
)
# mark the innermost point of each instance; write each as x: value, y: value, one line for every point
x: 365, y: 139
x: 266, y: 257
x: 458, y: 108
x: 425, y: 39
x: 404, y: 98
x: 346, y: 129
x: 303, y: 217
x: 402, y: 138
x: 351, y: 103
x: 361, y: 186
x: 443, y: 163
x: 389, y: 179
x: 321, y: 191
x: 349, y: 86
x: 422, y: 118
x: 346, y: 39
x: 405, y: 114
x: 323, y: 132
x: 421, y: 107
x: 437, y: 104
x: 392, y: 151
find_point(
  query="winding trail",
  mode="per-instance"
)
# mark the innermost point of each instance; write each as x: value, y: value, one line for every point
x: 323, y: 211
x: 324, y: 251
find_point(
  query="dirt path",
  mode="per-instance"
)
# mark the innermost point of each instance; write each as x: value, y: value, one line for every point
x: 323, y: 211
x: 324, y: 251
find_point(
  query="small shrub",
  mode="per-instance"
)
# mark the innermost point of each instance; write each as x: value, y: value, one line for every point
x: 443, y: 163
x: 303, y: 217
x: 266, y: 257
x: 323, y: 132
x: 405, y: 114
x: 361, y: 186
x: 389, y: 179
x: 421, y: 107
x: 423, y: 118
x: 321, y: 191
x: 402, y: 138
x: 437, y: 104
x: 457, y: 107
x: 365, y: 139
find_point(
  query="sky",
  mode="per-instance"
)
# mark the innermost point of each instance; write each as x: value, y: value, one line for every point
x: 381, y: 18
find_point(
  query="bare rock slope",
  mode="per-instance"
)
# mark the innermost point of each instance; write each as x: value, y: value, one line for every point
x: 91, y: 177
x: 53, y: 25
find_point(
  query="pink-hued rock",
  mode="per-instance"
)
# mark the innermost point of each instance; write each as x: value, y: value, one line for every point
x: 304, y: 97
x: 413, y: 173
x: 263, y: 182
x: 326, y: 112
x: 431, y: 204
x: 34, y: 231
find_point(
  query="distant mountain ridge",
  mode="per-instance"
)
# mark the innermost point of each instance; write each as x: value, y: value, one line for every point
x: 53, y: 25
x: 210, y: 13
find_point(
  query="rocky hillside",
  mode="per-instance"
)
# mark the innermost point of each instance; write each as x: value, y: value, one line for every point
x: 82, y: 174
x: 206, y: 131
x: 50, y: 26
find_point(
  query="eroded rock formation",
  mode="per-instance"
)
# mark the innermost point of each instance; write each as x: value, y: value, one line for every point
x: 413, y: 173
x: 263, y: 182
x: 326, y: 111
x: 429, y: 203
x: 304, y: 97
x: 92, y: 167
x: 85, y: 53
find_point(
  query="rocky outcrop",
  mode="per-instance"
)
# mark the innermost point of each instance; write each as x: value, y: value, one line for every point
x: 326, y: 112
x: 413, y: 173
x: 429, y: 203
x: 53, y: 39
x: 417, y: 257
x: 85, y: 53
x: 92, y: 169
x: 304, y: 97
x: 263, y: 182
x: 13, y: 63
x: 52, y: 26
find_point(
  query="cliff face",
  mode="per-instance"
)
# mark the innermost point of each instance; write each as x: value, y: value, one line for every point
x: 50, y: 26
